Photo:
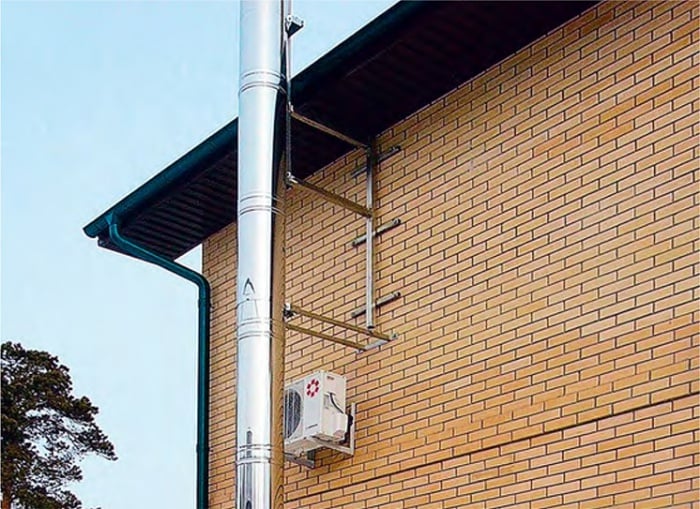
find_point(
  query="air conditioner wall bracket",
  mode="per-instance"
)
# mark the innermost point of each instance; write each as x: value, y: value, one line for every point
x: 347, y: 447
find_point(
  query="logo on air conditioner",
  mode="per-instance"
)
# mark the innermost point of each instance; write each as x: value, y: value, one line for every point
x: 313, y: 387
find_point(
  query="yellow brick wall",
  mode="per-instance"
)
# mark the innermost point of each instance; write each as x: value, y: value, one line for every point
x: 548, y: 262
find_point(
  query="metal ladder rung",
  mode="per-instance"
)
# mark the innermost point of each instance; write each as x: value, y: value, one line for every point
x: 379, y: 302
x: 358, y: 241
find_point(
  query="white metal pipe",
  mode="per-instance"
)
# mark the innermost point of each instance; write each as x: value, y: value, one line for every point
x: 260, y: 284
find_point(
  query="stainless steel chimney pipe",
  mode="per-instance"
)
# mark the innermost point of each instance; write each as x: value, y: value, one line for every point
x: 260, y: 286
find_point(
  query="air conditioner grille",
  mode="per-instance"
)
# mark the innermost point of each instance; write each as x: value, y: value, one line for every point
x: 292, y: 412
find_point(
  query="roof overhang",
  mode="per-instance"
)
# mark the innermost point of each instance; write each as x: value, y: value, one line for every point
x: 406, y: 58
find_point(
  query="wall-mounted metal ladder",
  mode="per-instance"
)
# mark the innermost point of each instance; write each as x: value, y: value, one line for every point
x: 372, y: 160
x: 368, y: 211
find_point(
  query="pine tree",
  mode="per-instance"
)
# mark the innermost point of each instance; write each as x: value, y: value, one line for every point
x: 45, y: 431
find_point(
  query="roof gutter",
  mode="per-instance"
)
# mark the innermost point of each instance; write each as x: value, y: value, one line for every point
x: 203, y: 333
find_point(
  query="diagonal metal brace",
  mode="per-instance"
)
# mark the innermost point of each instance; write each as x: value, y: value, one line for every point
x: 325, y: 129
x: 331, y: 197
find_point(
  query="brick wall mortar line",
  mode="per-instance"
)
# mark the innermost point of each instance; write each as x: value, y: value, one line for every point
x: 497, y: 341
x: 484, y: 449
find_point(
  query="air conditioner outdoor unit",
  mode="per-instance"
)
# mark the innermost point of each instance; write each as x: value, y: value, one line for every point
x: 314, y: 413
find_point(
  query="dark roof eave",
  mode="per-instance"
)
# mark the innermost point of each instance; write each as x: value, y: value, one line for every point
x: 313, y: 77
x: 350, y: 53
x: 360, y: 70
x: 171, y: 178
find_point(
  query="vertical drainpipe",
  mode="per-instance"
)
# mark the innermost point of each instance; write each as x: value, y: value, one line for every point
x: 260, y: 284
x: 203, y: 330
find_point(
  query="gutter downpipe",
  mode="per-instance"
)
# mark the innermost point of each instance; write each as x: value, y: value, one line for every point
x: 203, y: 331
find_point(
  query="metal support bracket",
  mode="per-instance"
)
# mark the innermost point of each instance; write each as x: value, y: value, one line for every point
x: 326, y: 337
x: 347, y: 447
x: 292, y: 24
x: 372, y: 160
x: 325, y: 129
x: 291, y: 311
x: 331, y: 197
x: 308, y: 460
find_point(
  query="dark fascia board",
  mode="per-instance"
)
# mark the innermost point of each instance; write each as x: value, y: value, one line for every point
x: 345, y: 56
x: 167, y: 181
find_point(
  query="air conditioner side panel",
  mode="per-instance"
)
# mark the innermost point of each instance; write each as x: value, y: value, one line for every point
x: 333, y: 418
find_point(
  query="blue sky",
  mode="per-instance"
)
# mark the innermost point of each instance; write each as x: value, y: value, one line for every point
x: 95, y: 98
